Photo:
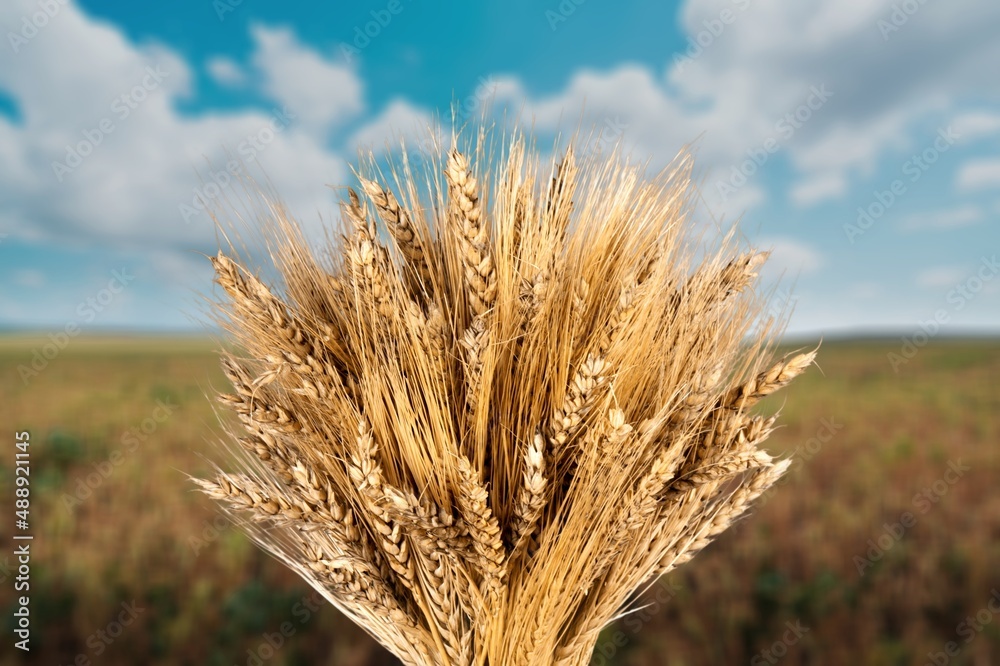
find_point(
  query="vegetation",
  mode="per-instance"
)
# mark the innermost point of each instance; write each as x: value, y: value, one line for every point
x: 482, y: 436
x: 211, y: 597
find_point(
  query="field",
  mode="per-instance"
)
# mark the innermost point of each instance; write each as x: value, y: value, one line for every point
x: 882, y: 546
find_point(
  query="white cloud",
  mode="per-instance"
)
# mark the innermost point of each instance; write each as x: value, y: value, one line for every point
x: 734, y: 205
x: 739, y: 89
x: 324, y: 94
x: 29, y: 277
x: 977, y: 124
x: 731, y: 99
x: 978, y: 174
x: 142, y: 160
x: 945, y: 218
x: 842, y: 148
x: 734, y: 96
x: 941, y: 276
x: 790, y: 256
x: 226, y: 71
x: 399, y: 120
x: 817, y: 189
x: 629, y: 95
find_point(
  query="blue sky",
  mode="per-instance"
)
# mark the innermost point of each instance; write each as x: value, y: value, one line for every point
x: 857, y: 139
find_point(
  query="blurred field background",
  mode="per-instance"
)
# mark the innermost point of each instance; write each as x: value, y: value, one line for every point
x: 117, y: 423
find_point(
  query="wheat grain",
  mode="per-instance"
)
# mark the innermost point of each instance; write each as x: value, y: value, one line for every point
x: 402, y: 229
x: 621, y: 314
x: 482, y: 444
x: 367, y: 476
x: 475, y: 341
x: 438, y: 551
x: 700, y: 533
x: 368, y: 259
x: 480, y: 273
x: 532, y: 497
x: 559, y: 202
x: 473, y: 503
x: 768, y: 382
x: 566, y: 420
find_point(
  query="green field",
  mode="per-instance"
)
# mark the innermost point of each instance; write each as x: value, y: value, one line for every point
x: 882, y: 546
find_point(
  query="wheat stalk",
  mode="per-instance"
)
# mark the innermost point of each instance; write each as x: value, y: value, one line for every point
x: 482, y: 445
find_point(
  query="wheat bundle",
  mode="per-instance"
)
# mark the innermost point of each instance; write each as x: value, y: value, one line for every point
x: 511, y: 396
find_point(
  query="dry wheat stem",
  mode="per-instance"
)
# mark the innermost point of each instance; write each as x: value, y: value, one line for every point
x: 482, y: 445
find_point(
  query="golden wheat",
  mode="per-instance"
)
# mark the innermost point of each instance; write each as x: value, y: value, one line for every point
x: 483, y: 444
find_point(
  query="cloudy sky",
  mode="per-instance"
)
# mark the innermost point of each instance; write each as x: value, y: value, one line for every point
x: 858, y: 139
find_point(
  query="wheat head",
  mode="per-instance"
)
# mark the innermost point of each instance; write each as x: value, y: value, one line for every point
x: 482, y: 433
